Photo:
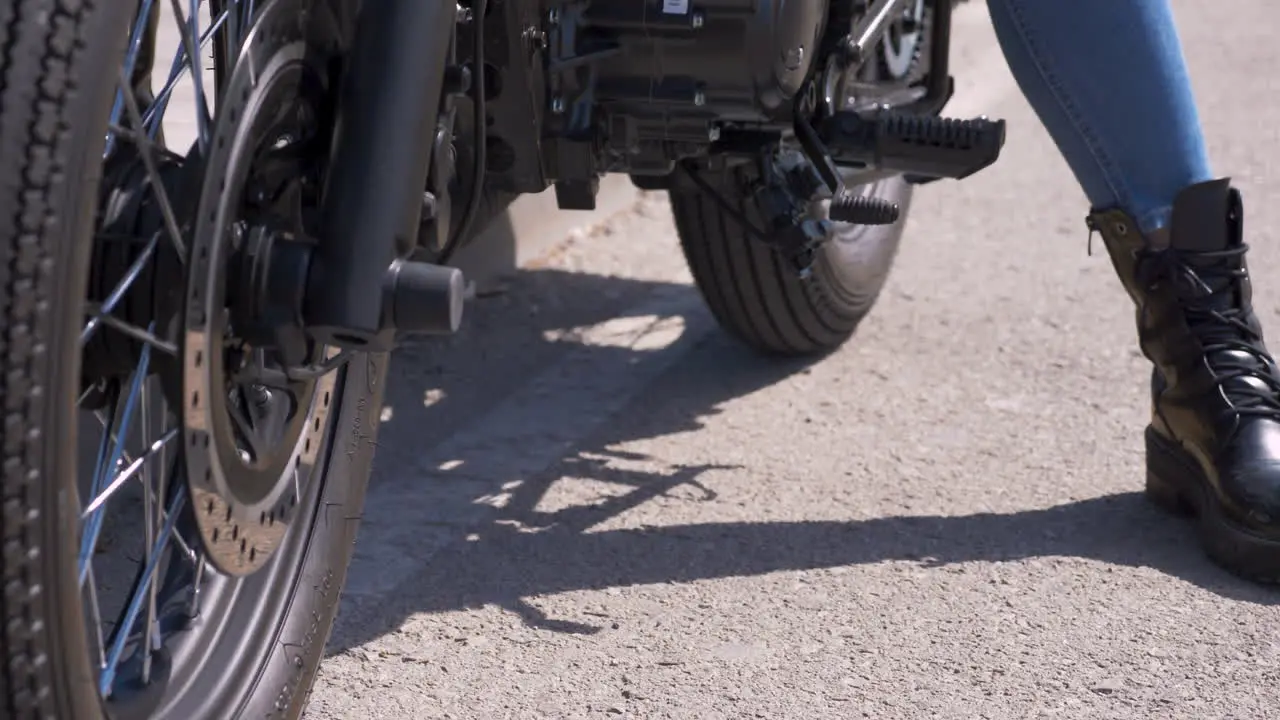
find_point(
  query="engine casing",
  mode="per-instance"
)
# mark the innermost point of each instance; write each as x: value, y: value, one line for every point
x: 642, y: 83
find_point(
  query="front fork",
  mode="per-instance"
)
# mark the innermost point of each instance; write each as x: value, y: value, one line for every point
x: 360, y: 289
x: 381, y: 154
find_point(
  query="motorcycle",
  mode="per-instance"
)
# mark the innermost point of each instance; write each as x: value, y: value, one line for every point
x: 216, y: 317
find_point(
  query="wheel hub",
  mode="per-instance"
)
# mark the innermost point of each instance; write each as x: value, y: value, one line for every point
x: 250, y: 445
x: 131, y: 251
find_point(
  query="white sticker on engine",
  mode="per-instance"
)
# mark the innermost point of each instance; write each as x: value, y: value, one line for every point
x: 675, y: 7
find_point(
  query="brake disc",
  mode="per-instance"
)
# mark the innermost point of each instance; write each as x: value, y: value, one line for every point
x: 244, y: 496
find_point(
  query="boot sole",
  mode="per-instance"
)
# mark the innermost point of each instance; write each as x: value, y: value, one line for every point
x: 1175, y: 482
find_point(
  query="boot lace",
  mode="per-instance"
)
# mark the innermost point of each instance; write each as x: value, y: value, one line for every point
x: 1206, y: 284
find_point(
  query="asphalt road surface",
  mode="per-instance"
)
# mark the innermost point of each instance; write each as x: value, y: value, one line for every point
x: 593, y: 504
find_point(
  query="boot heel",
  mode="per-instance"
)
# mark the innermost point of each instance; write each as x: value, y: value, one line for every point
x: 1166, y: 497
x: 1163, y: 464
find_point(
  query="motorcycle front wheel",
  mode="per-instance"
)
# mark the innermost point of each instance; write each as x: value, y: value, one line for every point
x: 179, y: 505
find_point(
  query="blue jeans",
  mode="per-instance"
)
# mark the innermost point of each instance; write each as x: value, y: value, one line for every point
x: 1109, y: 82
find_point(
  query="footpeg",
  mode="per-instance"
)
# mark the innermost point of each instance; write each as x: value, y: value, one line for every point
x: 922, y: 147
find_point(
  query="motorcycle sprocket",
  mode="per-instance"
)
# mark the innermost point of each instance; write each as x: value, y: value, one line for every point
x: 901, y: 50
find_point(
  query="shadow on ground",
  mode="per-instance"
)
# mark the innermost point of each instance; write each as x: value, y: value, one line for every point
x: 518, y: 552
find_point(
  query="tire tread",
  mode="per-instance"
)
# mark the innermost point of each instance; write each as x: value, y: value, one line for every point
x: 754, y: 294
x: 39, y: 41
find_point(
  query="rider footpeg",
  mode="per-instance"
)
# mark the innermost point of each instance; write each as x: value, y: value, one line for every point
x: 862, y: 209
x: 922, y: 147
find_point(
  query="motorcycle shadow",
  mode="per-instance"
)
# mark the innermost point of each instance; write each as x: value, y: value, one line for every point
x: 472, y: 552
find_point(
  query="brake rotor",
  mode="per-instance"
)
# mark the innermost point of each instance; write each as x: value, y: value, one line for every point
x: 243, y: 495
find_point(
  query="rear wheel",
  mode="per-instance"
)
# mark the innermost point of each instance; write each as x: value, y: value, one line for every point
x: 180, y: 495
x: 754, y: 291
x: 756, y: 294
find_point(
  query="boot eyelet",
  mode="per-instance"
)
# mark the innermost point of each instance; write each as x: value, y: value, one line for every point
x: 1122, y: 229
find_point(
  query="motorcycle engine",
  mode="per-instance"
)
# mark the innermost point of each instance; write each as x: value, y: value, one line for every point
x: 644, y: 83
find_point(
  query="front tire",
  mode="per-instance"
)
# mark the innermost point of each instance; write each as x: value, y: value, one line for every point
x: 255, y: 645
x: 756, y: 295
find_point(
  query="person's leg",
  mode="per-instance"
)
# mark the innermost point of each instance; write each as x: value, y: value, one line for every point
x: 1108, y: 80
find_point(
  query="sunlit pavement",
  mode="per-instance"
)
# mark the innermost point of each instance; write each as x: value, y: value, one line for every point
x: 593, y: 504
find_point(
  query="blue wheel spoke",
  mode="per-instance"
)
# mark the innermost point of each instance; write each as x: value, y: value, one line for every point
x: 136, y: 39
x: 118, y: 292
x: 136, y: 629
x: 89, y: 540
x: 176, y: 72
x: 135, y: 603
x: 129, y: 472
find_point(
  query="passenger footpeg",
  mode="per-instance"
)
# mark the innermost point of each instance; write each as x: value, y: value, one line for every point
x: 921, y: 147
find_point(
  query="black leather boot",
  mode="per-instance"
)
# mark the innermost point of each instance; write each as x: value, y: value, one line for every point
x: 1213, y: 446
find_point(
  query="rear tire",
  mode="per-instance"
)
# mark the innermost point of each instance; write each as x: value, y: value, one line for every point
x: 756, y: 295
